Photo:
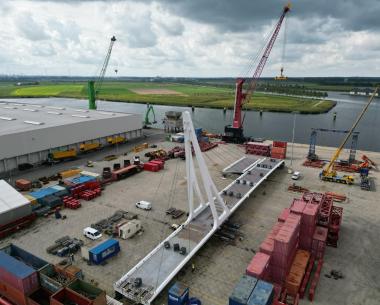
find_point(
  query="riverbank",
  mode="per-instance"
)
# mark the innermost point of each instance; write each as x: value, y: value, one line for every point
x: 170, y: 94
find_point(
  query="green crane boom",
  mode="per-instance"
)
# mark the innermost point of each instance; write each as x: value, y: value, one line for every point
x: 95, y: 86
x: 147, y: 122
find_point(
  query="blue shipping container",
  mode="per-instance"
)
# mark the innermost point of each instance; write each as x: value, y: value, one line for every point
x: 104, y: 250
x: 262, y: 294
x: 242, y: 291
x: 178, y: 294
x: 41, y: 193
x: 82, y: 179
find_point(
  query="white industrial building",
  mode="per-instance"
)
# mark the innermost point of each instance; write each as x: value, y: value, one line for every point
x: 28, y: 133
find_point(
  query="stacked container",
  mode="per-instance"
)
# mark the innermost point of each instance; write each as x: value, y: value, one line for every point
x: 297, y: 272
x: 284, y: 214
x: 334, y: 226
x: 259, y: 266
x: 278, y: 150
x: 268, y: 243
x: 308, y: 224
x: 285, y: 246
x: 263, y: 294
x: 297, y: 206
x: 17, y: 280
x: 260, y: 149
x: 243, y: 290
x: 319, y: 242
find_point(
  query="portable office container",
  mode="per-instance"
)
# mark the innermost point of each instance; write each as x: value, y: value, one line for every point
x: 17, y: 274
x: 178, y: 294
x: 242, y: 291
x: 129, y: 229
x: 104, y: 250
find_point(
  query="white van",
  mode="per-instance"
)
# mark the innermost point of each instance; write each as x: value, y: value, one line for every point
x: 296, y: 175
x: 145, y: 205
x: 91, y: 233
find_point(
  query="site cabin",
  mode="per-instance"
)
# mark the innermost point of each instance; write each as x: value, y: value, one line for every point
x: 130, y: 229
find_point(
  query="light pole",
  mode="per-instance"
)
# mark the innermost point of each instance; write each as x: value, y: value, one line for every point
x: 293, y: 136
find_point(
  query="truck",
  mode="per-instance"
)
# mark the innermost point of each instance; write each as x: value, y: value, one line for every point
x: 115, y: 140
x: 61, y: 155
x: 87, y: 147
x: 345, y: 179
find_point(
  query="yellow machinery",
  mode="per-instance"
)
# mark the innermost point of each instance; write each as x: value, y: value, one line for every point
x: 61, y: 155
x: 282, y: 76
x: 329, y: 174
x: 115, y: 140
x: 85, y: 147
x: 140, y: 147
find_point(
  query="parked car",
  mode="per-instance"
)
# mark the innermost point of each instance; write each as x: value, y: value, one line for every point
x: 91, y: 233
x: 144, y: 205
x: 296, y: 175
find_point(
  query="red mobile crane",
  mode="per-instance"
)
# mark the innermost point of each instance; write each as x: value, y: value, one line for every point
x: 234, y: 133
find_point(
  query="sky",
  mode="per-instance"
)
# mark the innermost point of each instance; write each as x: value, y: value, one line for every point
x: 189, y: 38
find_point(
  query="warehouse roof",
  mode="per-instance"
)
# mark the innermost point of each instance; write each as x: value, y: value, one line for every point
x: 17, y: 117
x: 10, y: 198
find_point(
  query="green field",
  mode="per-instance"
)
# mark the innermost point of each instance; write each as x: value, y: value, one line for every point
x: 207, y: 96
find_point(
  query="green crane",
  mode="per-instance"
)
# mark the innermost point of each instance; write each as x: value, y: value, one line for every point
x: 147, y: 121
x: 95, y: 86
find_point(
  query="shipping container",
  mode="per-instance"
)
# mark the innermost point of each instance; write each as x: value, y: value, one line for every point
x: 26, y: 257
x: 69, y: 271
x: 67, y: 296
x: 23, y: 184
x: 40, y: 297
x: 124, y: 172
x: 13, y: 205
x: 69, y: 173
x: 51, y: 280
x: 104, y: 250
x: 81, y: 179
x: 96, y: 295
x: 259, y: 266
x: 17, y: 274
x: 178, y: 294
x: 12, y: 294
x: 51, y: 201
x: 263, y: 294
x: 242, y: 291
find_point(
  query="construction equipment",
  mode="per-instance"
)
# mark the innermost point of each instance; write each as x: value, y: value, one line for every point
x: 149, y: 111
x: 312, y: 156
x: 329, y: 174
x: 282, y: 76
x: 234, y: 133
x: 58, y: 156
x: 87, y: 147
x: 95, y: 86
x: 116, y: 140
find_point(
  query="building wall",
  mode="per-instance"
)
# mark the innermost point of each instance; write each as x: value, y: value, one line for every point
x: 33, y: 146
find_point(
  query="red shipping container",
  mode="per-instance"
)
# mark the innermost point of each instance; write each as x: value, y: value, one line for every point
x: 298, y: 206
x: 159, y: 163
x: 12, y: 294
x: 259, y: 266
x: 280, y: 144
x: 284, y: 215
x: 268, y: 243
x: 23, y: 184
x: 309, y: 215
x: 17, y: 274
x: 148, y: 166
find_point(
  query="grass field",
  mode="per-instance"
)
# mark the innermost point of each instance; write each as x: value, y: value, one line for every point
x: 188, y: 95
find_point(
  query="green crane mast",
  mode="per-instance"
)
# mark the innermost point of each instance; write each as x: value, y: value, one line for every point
x: 147, y: 122
x: 95, y: 86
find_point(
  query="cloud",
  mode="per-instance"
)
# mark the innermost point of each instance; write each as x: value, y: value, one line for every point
x: 30, y: 28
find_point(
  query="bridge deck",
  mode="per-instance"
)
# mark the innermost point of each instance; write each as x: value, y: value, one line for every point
x: 162, y: 264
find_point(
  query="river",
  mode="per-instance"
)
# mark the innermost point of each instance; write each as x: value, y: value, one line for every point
x: 269, y: 125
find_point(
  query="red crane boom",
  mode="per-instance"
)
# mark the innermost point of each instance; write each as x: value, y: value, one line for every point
x: 234, y: 132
